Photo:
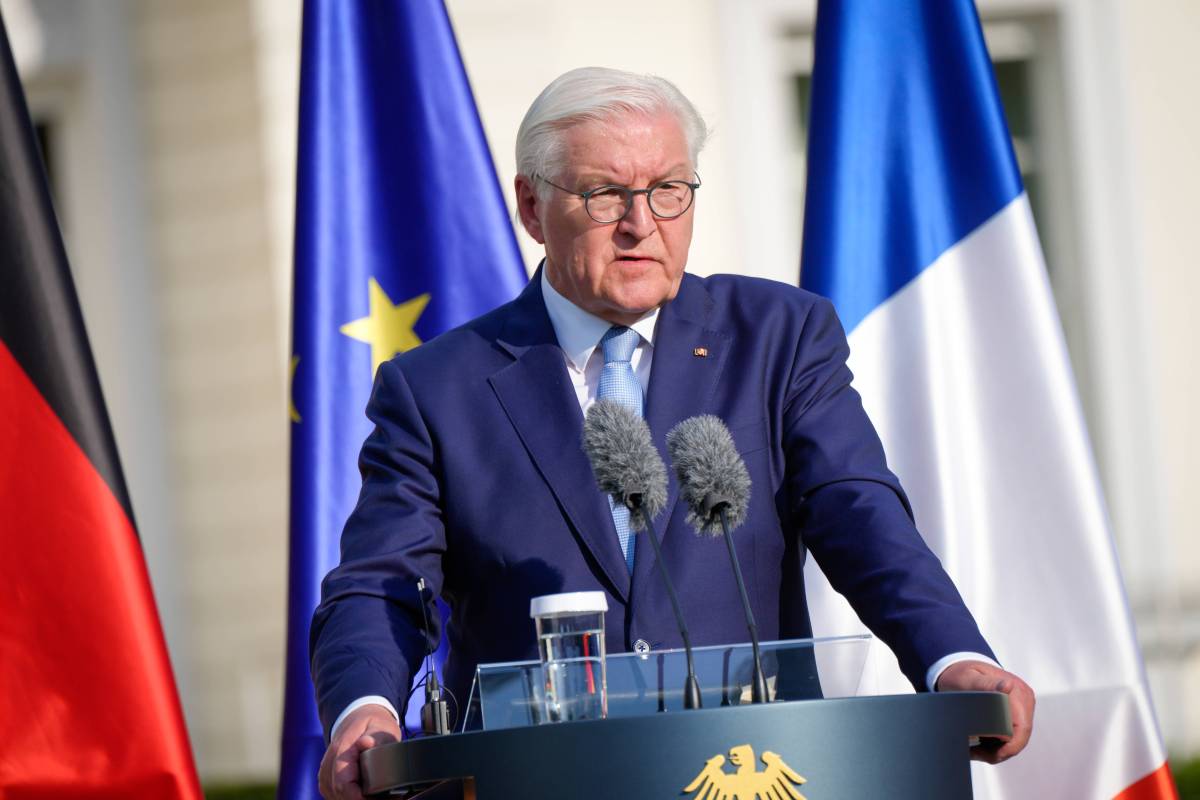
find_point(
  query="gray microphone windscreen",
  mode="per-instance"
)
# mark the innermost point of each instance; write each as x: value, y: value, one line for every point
x: 618, y: 443
x: 710, y: 472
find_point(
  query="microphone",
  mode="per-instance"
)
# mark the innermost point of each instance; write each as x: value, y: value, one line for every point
x: 435, y: 713
x: 628, y: 468
x: 715, y: 484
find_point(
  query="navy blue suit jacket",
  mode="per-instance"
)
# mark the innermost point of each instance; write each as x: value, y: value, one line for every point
x: 474, y: 479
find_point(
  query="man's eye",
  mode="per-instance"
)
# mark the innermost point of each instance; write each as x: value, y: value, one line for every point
x: 607, y: 193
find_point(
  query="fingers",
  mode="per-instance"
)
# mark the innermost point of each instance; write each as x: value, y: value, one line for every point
x: 370, y: 726
x: 375, y: 738
x: 345, y: 774
x: 341, y: 779
x: 978, y: 676
x: 971, y: 676
x: 338, y: 776
x: 1021, y: 703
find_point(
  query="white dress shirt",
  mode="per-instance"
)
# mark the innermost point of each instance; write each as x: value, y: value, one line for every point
x: 579, y: 334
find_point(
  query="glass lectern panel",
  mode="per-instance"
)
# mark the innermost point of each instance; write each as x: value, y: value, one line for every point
x: 513, y: 694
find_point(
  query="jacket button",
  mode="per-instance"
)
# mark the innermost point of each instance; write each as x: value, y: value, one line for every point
x: 641, y: 646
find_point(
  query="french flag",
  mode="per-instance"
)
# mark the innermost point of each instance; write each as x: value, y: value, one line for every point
x: 918, y: 228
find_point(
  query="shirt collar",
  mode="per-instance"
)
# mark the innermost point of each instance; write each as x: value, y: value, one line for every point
x: 579, y: 331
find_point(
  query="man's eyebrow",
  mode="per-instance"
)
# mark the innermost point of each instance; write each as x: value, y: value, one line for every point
x: 682, y: 170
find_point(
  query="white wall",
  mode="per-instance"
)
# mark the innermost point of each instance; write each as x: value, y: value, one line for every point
x: 513, y: 49
x: 213, y: 183
x: 1157, y: 90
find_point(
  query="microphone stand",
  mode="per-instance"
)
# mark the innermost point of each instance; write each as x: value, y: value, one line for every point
x: 691, y: 687
x: 758, y: 688
x: 435, y: 713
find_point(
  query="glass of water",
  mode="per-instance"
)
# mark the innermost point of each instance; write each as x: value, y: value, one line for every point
x: 570, y: 630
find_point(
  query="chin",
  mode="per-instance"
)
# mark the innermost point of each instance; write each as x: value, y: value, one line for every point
x: 639, y: 303
x: 642, y: 296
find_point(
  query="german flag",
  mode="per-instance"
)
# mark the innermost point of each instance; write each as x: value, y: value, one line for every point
x: 88, y: 707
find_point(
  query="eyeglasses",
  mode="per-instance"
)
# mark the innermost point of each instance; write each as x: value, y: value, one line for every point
x: 610, y: 203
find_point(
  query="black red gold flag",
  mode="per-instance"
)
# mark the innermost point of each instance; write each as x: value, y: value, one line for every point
x: 88, y: 705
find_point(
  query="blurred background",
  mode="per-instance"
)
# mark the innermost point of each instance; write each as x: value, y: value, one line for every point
x: 169, y: 133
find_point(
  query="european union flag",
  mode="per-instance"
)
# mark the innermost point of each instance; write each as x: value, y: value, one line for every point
x: 401, y: 233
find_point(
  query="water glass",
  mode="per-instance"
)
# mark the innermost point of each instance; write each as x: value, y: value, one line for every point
x: 570, y: 631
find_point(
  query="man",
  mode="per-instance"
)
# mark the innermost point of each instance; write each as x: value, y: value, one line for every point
x: 475, y: 481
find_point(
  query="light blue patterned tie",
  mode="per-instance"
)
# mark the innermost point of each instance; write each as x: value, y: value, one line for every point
x: 619, y: 383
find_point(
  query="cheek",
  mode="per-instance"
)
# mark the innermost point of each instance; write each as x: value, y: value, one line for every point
x: 678, y: 241
x: 567, y: 247
x: 592, y: 252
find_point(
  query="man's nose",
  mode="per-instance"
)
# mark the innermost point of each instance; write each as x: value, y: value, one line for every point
x: 640, y: 221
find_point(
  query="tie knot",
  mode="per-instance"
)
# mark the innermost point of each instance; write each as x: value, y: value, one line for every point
x: 619, y: 343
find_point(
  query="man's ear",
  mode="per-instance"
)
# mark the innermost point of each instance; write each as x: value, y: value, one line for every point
x: 527, y: 207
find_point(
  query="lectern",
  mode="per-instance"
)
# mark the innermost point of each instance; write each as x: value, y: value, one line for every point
x: 893, y: 746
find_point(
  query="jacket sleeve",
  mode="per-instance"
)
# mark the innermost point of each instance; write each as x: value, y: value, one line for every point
x: 853, y: 516
x: 367, y: 635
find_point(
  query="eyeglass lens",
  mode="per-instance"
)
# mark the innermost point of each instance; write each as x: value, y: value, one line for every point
x: 611, y: 203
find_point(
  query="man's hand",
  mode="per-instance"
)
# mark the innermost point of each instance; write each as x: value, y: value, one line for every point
x: 362, y: 728
x: 977, y: 676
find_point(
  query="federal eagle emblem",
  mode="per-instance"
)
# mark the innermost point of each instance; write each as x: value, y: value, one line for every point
x: 775, y: 782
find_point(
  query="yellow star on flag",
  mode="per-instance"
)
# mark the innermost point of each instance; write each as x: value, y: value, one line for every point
x: 389, y: 327
x: 293, y: 414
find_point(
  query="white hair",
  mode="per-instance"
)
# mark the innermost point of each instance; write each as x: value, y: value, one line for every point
x: 597, y: 94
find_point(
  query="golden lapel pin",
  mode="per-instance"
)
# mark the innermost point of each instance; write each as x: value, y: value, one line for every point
x: 700, y: 352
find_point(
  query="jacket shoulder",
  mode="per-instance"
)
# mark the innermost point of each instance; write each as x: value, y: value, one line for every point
x: 471, y: 342
x: 761, y: 302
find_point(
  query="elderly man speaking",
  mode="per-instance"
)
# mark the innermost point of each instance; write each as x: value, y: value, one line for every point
x: 474, y: 479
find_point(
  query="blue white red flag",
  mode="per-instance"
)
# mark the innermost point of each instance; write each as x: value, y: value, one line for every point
x: 401, y: 234
x: 917, y: 226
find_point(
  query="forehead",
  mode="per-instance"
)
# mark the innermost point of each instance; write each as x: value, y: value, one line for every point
x: 626, y: 148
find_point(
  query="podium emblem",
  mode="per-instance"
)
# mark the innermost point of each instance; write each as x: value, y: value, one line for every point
x: 776, y: 780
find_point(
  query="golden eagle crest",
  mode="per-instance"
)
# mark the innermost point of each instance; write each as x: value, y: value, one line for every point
x: 775, y: 782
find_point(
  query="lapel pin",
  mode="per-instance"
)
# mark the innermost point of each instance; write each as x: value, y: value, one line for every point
x: 700, y: 352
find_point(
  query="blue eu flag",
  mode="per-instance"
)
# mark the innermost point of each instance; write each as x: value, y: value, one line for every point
x: 401, y: 233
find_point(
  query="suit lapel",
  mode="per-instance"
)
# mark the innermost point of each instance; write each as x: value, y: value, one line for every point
x: 536, y: 394
x: 689, y: 357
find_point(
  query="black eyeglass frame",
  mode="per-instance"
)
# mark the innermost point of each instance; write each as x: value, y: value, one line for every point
x: 629, y: 195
